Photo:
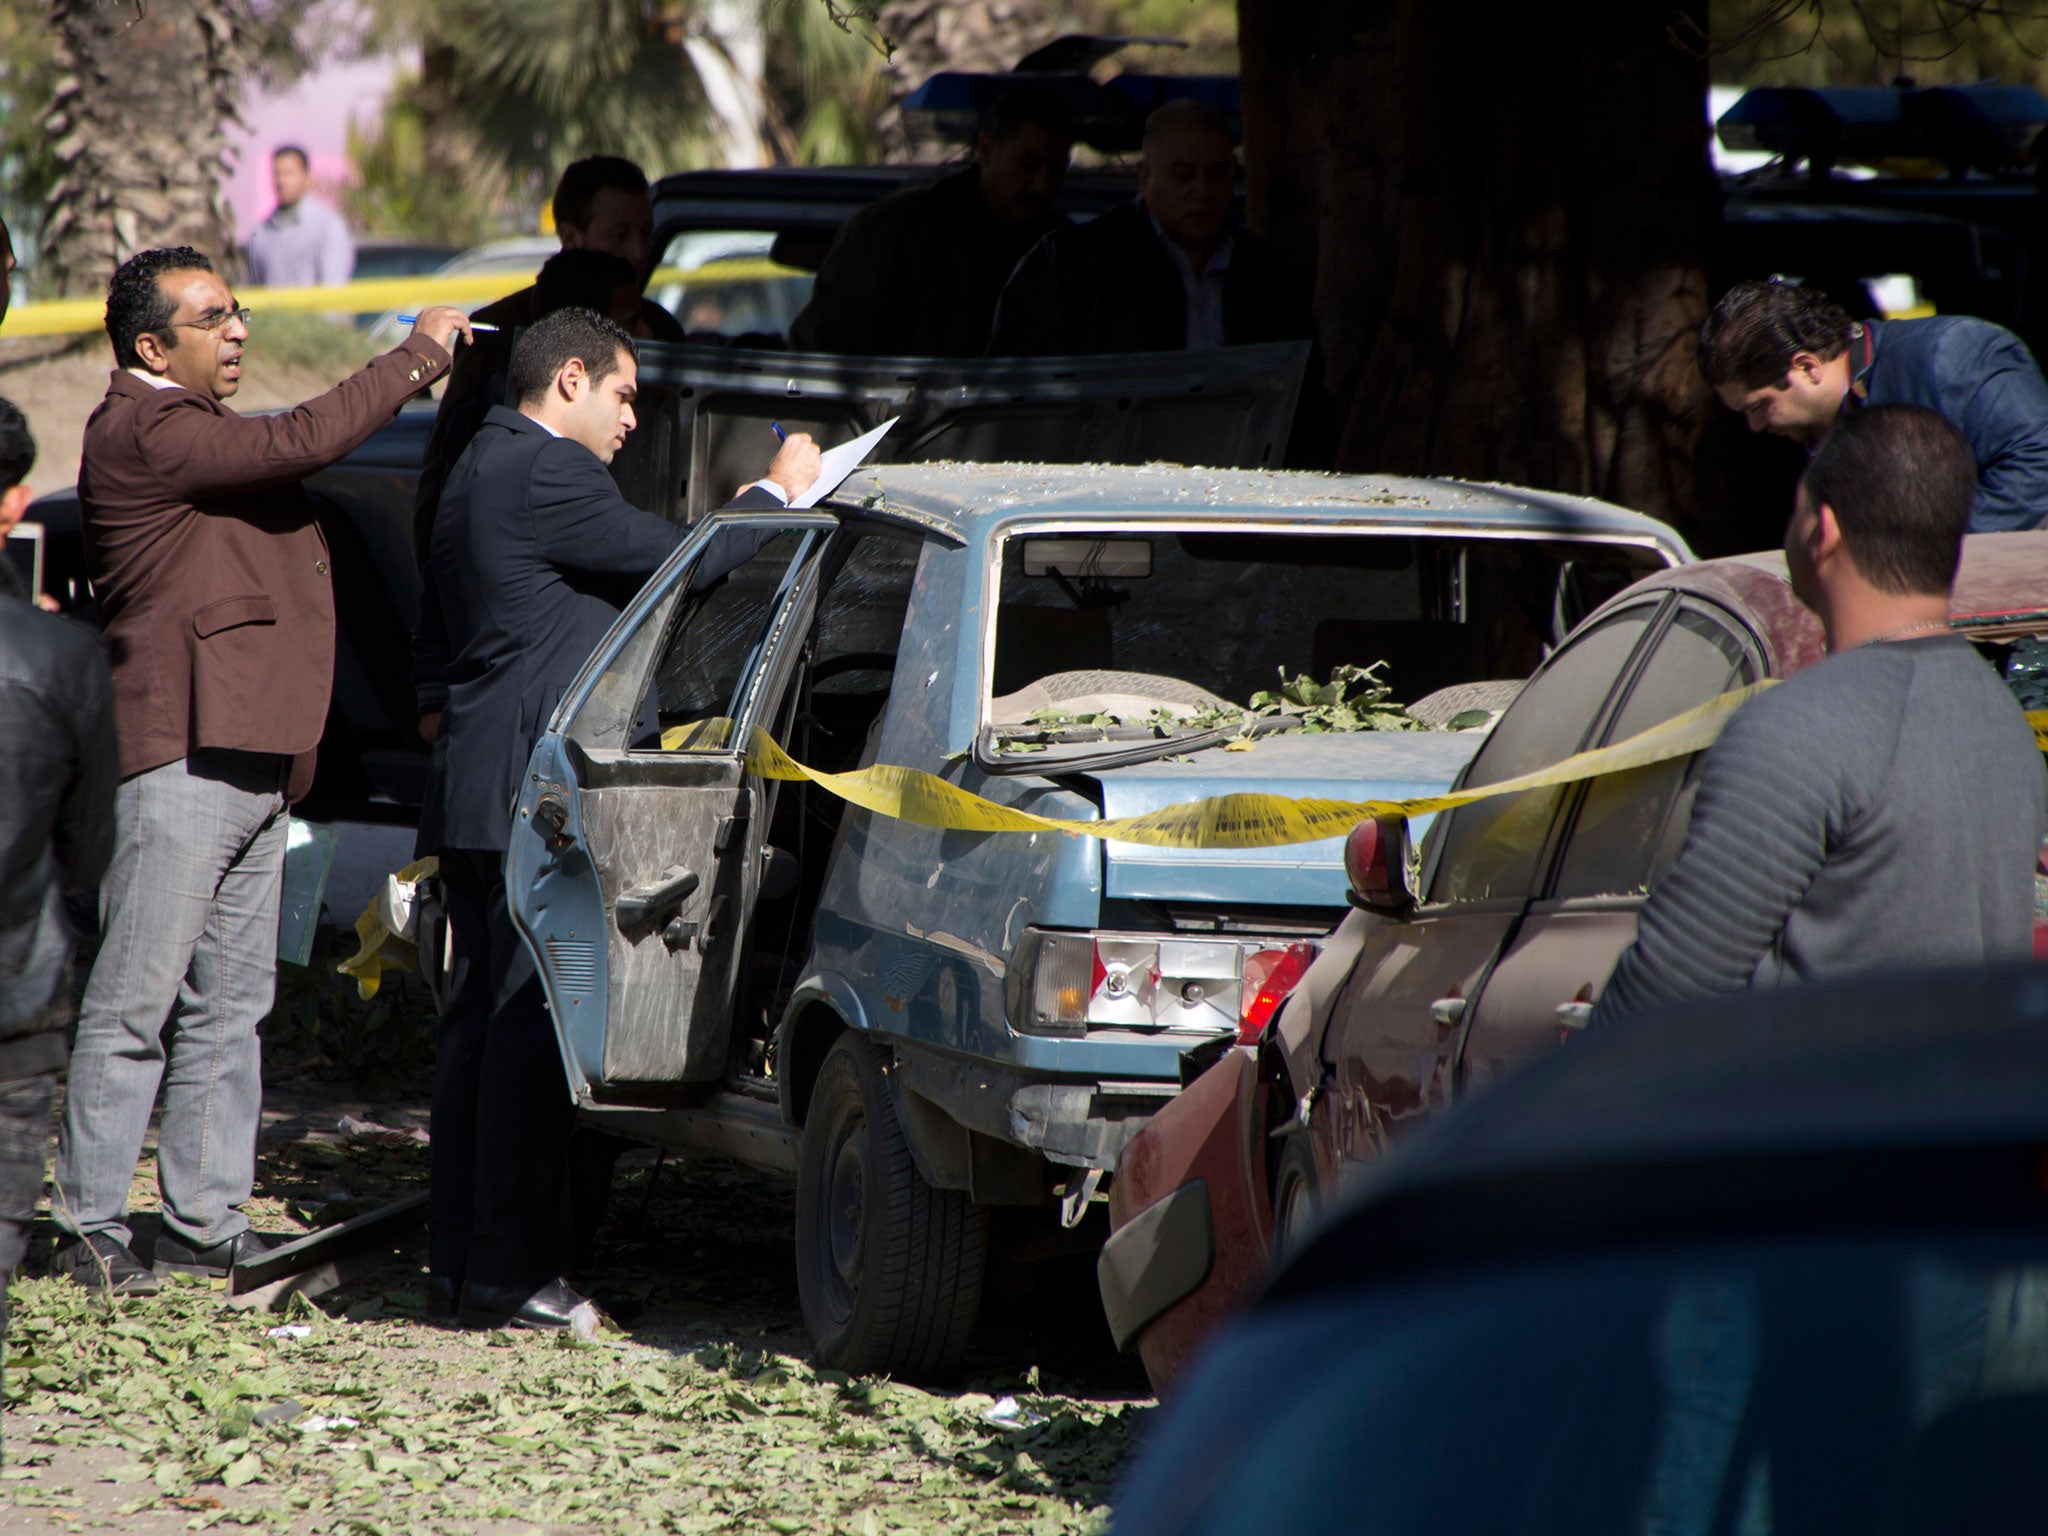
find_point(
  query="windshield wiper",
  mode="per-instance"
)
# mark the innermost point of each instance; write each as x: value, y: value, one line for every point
x: 990, y: 760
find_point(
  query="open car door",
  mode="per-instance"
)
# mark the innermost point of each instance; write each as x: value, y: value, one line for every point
x: 637, y: 846
x: 707, y: 413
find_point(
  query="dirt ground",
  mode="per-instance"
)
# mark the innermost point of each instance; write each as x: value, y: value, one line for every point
x: 697, y: 1411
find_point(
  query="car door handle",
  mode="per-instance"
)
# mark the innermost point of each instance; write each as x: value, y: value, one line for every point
x: 1574, y: 1015
x: 642, y: 904
x: 1449, y: 1012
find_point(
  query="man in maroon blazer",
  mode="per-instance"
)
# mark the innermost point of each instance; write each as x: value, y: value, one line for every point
x: 218, y: 613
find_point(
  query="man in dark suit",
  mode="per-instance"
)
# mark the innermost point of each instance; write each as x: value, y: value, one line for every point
x: 1162, y: 273
x: 218, y: 613
x: 533, y: 555
x: 602, y: 203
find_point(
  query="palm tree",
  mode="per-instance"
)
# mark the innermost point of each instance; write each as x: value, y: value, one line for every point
x: 136, y: 127
x: 510, y: 91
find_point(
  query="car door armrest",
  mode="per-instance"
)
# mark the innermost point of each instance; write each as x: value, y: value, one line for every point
x: 642, y: 904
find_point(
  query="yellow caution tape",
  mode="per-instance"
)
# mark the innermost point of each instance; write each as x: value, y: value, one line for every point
x: 379, y: 947
x: 63, y: 317
x: 1221, y: 821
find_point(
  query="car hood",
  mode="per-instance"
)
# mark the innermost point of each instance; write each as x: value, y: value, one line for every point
x: 1352, y: 765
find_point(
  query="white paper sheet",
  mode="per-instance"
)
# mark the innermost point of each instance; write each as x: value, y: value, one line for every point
x: 837, y: 463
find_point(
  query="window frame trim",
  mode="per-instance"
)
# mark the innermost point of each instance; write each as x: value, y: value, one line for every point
x: 1568, y: 819
x: 658, y: 589
x: 1663, y: 603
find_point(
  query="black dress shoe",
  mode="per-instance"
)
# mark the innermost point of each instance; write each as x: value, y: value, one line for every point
x: 444, y: 1298
x: 174, y: 1256
x: 513, y: 1306
x: 103, y: 1260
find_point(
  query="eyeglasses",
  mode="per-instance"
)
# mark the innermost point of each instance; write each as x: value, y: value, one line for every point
x: 215, y: 321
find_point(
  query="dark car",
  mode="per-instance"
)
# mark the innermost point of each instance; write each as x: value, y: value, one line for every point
x: 1775, y: 1263
x: 1489, y: 955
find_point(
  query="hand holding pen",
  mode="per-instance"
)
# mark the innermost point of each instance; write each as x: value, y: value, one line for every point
x: 441, y: 324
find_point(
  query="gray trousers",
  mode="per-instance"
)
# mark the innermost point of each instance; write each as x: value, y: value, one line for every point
x: 186, y: 971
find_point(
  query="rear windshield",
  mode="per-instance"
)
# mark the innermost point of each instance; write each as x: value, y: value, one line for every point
x: 1224, y: 615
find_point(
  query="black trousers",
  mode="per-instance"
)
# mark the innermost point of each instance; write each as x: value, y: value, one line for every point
x: 24, y: 1152
x: 499, y: 1193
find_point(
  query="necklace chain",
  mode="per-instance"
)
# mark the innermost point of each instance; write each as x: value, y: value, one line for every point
x: 1908, y: 629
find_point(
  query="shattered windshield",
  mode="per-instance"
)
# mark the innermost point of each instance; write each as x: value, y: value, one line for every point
x: 1185, y: 637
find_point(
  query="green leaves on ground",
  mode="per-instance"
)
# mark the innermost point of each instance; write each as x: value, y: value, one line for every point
x: 410, y: 1428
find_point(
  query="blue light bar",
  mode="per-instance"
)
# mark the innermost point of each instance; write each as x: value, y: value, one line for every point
x: 1976, y: 127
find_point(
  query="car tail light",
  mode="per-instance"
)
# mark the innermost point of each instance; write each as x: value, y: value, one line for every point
x: 1062, y: 981
x: 1269, y: 975
x: 1376, y: 864
x: 1079, y: 981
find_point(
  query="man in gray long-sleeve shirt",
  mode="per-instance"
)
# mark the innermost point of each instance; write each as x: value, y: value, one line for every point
x: 1883, y: 809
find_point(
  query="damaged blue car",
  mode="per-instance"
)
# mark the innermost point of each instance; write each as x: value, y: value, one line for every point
x: 923, y: 1024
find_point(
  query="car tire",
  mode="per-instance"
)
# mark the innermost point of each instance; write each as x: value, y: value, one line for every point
x: 889, y: 1269
x: 1297, y: 1194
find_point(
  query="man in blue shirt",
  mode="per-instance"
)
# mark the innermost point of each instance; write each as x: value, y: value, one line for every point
x: 1791, y: 361
x: 304, y: 243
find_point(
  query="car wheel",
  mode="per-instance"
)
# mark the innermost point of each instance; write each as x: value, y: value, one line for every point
x: 888, y: 1269
x: 1297, y: 1196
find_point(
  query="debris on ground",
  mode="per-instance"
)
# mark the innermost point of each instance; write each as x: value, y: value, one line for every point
x: 1008, y: 1413
x: 349, y: 1128
x: 695, y: 1412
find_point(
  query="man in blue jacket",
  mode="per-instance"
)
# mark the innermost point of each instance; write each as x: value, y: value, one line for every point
x: 531, y: 558
x: 1791, y: 361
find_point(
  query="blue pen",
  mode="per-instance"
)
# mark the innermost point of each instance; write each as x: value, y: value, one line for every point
x: 780, y: 435
x: 474, y: 325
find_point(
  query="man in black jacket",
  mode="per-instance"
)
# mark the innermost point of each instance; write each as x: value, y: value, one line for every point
x: 1161, y: 273
x: 533, y: 555
x: 918, y: 273
x: 602, y: 203
x: 60, y: 763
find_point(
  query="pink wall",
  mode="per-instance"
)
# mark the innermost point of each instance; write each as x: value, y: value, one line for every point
x: 313, y: 114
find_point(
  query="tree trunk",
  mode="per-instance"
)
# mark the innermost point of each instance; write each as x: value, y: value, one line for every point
x: 138, y: 129
x: 1508, y: 211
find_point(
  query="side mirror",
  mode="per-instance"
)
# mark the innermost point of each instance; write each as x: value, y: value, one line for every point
x: 1376, y: 864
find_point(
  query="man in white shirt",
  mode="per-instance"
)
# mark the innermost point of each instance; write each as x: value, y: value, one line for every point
x: 304, y: 243
x: 1165, y: 272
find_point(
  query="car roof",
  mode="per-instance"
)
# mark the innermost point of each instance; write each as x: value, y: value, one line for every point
x: 1621, y: 1132
x: 968, y: 498
x: 509, y: 254
x: 2002, y: 583
x: 822, y: 197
